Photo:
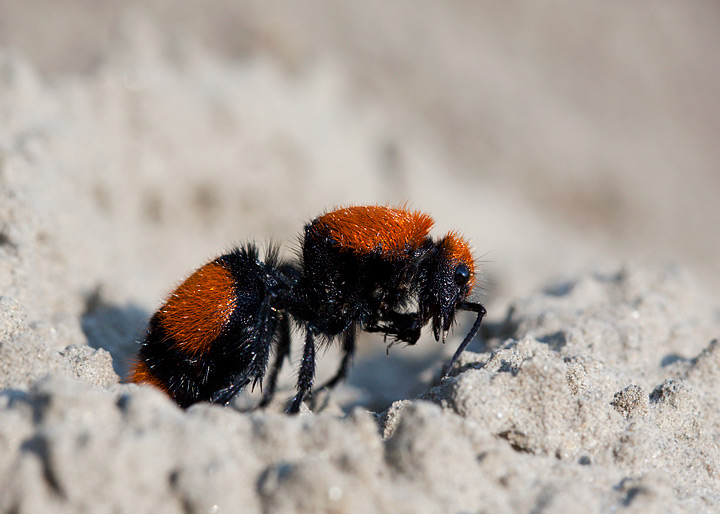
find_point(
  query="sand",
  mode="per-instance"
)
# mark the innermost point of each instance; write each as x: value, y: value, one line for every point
x: 152, y: 139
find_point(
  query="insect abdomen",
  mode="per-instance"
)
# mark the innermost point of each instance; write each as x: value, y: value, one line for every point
x: 208, y: 331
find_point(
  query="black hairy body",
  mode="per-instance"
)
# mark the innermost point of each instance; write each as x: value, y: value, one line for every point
x: 361, y: 268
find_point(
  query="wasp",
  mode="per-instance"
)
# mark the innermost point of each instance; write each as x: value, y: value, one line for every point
x: 371, y: 268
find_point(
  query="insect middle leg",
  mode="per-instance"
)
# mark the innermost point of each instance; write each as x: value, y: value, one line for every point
x: 349, y: 351
x: 306, y: 373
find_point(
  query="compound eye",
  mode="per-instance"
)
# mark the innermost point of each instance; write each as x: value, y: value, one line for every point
x: 462, y: 274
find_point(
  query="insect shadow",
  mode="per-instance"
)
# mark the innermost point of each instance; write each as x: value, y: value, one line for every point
x: 115, y: 328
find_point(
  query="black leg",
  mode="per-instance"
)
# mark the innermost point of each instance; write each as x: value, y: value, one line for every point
x: 259, y: 348
x: 224, y: 395
x: 466, y: 306
x: 283, y: 351
x: 404, y: 327
x: 349, y: 351
x: 306, y: 373
x: 265, y: 328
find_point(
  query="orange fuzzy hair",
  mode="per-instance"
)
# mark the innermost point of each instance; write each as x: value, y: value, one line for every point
x: 198, y: 311
x: 366, y: 229
x: 141, y: 374
x: 458, y: 250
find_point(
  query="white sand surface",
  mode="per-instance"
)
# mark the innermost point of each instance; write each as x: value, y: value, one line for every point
x: 574, y: 143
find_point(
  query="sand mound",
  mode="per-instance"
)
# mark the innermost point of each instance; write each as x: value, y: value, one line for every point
x: 600, y: 398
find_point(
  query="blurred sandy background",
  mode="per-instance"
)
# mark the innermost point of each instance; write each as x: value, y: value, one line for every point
x: 143, y: 138
x: 600, y: 119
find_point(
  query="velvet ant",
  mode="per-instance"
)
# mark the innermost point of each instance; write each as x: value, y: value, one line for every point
x: 372, y: 268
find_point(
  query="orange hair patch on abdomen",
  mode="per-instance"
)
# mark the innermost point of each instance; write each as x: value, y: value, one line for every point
x: 198, y: 311
x: 366, y: 229
x: 141, y: 374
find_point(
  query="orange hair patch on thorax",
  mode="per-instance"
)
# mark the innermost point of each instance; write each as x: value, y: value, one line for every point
x: 366, y: 229
x: 458, y: 250
x: 198, y: 311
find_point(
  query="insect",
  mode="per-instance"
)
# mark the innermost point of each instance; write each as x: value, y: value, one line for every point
x: 371, y: 268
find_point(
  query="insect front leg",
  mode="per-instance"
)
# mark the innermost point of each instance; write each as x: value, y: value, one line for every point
x: 481, y: 312
x: 403, y: 326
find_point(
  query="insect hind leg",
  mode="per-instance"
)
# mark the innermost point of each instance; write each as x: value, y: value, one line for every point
x: 253, y: 350
x: 282, y: 353
x: 226, y: 394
